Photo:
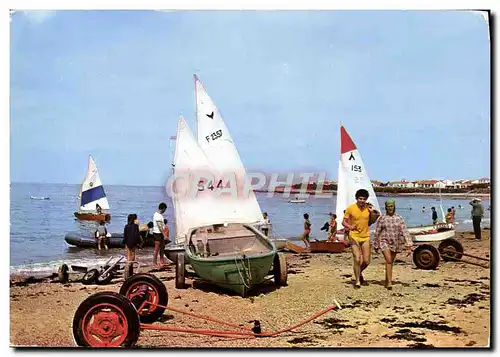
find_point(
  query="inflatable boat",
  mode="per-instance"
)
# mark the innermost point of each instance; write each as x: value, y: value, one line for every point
x: 114, y: 240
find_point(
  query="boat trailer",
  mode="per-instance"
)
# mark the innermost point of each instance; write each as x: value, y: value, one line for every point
x: 109, y: 319
x: 427, y: 257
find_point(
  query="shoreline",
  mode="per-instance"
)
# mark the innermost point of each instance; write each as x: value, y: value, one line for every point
x: 447, y: 307
x: 454, y: 195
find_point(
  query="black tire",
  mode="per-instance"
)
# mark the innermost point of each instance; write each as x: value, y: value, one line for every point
x: 105, y: 278
x: 452, y: 245
x: 90, y: 277
x: 63, y: 274
x: 128, y: 271
x: 426, y: 257
x: 106, y: 319
x: 280, y: 269
x: 146, y: 287
x: 180, y: 272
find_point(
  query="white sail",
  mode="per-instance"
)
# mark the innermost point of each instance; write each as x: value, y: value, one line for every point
x: 216, y: 141
x: 195, y: 195
x: 352, y: 177
x: 92, y: 191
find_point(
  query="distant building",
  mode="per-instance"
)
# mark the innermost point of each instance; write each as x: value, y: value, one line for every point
x: 430, y: 184
x: 376, y: 183
x: 401, y: 184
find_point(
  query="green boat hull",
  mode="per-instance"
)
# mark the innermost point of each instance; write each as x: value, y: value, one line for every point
x: 237, y: 273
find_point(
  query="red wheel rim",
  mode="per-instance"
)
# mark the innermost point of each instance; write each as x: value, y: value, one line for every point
x: 151, y: 294
x: 104, y: 325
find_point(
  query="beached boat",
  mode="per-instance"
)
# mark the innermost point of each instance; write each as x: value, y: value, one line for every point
x: 92, y: 196
x: 219, y: 239
x: 434, y: 233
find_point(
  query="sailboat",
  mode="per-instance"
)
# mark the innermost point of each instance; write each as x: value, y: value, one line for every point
x: 219, y: 241
x: 92, y: 196
x: 352, y: 176
x: 217, y: 143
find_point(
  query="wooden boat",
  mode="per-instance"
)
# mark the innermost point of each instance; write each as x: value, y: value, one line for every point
x: 106, y: 217
x: 92, y: 197
x: 217, y: 233
x: 434, y: 233
x: 236, y: 257
x: 325, y: 246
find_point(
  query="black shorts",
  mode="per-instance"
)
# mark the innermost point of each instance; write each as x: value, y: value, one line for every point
x: 158, y: 237
x: 265, y: 231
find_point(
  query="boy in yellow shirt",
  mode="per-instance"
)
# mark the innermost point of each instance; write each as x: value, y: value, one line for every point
x: 356, y: 220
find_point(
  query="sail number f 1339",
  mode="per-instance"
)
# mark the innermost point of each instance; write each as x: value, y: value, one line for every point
x: 214, y: 136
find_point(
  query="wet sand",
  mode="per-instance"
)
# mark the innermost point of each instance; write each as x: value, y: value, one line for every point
x: 447, y: 307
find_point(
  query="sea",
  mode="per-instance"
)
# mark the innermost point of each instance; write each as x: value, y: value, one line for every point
x: 38, y: 227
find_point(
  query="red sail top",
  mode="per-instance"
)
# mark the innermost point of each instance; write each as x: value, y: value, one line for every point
x: 346, y: 143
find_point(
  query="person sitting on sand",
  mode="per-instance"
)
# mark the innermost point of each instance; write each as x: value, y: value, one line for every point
x: 307, y: 230
x: 449, y: 216
x: 434, y: 215
x: 391, y: 236
x: 357, y: 221
x: 131, y: 237
x: 101, y: 235
x: 332, y: 235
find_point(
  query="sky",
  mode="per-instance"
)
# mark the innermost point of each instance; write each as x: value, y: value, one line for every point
x: 412, y: 88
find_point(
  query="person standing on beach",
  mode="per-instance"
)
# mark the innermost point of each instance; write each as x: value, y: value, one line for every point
x: 307, y: 230
x: 333, y: 227
x: 477, y: 214
x: 158, y: 226
x: 101, y: 235
x: 391, y: 236
x: 131, y: 237
x: 449, y: 216
x: 356, y: 220
x: 266, y: 224
x: 434, y: 215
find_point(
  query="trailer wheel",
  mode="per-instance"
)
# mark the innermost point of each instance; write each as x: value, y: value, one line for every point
x: 451, y: 250
x: 180, y: 272
x: 426, y: 257
x: 90, y: 277
x: 280, y: 269
x: 63, y: 274
x: 106, y: 319
x: 105, y: 278
x: 146, y: 292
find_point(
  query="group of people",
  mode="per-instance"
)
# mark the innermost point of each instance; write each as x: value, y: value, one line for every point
x: 391, y: 235
x: 133, y: 239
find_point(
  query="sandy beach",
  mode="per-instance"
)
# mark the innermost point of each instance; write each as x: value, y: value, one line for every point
x: 447, y: 307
